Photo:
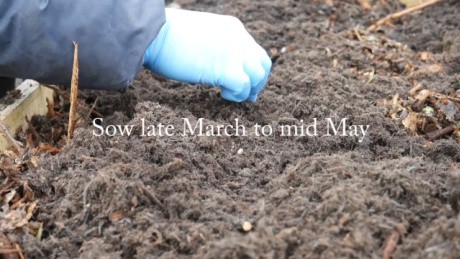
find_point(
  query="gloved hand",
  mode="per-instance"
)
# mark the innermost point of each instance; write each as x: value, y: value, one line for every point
x: 205, y: 48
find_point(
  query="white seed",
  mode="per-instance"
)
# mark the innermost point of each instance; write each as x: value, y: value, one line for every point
x: 247, y: 226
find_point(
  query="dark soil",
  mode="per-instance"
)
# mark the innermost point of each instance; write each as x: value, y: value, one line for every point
x: 306, y: 197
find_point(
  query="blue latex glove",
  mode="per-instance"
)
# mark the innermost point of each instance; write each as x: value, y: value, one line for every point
x: 205, y: 48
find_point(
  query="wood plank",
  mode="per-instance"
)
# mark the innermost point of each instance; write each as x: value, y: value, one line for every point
x: 32, y: 102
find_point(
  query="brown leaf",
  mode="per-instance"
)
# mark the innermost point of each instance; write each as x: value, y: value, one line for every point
x: 410, y: 122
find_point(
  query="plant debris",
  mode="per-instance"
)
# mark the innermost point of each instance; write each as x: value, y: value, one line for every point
x: 413, y: 8
x: 430, y: 114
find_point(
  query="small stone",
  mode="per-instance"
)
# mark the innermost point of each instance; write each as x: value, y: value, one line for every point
x: 240, y: 151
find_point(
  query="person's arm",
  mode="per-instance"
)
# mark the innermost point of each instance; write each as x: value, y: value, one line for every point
x: 36, y: 39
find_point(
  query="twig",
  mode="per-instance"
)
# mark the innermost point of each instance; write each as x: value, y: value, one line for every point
x: 28, y: 195
x: 390, y: 247
x: 6, y: 187
x: 400, y: 14
x: 73, y: 93
x: 440, y: 133
x: 92, y: 107
x: 4, y: 251
x: 442, y: 96
x: 19, y: 251
x: 32, y: 128
x: 357, y: 34
x: 7, y: 249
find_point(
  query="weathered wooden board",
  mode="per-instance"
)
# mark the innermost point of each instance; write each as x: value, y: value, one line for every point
x: 31, y: 102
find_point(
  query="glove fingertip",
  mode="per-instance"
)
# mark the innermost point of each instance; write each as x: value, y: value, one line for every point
x: 230, y: 96
x: 252, y: 98
x: 236, y: 86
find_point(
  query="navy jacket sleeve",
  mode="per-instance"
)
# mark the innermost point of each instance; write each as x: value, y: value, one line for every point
x: 36, y: 39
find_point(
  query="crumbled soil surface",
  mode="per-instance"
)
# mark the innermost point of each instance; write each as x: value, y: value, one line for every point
x: 305, y: 197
